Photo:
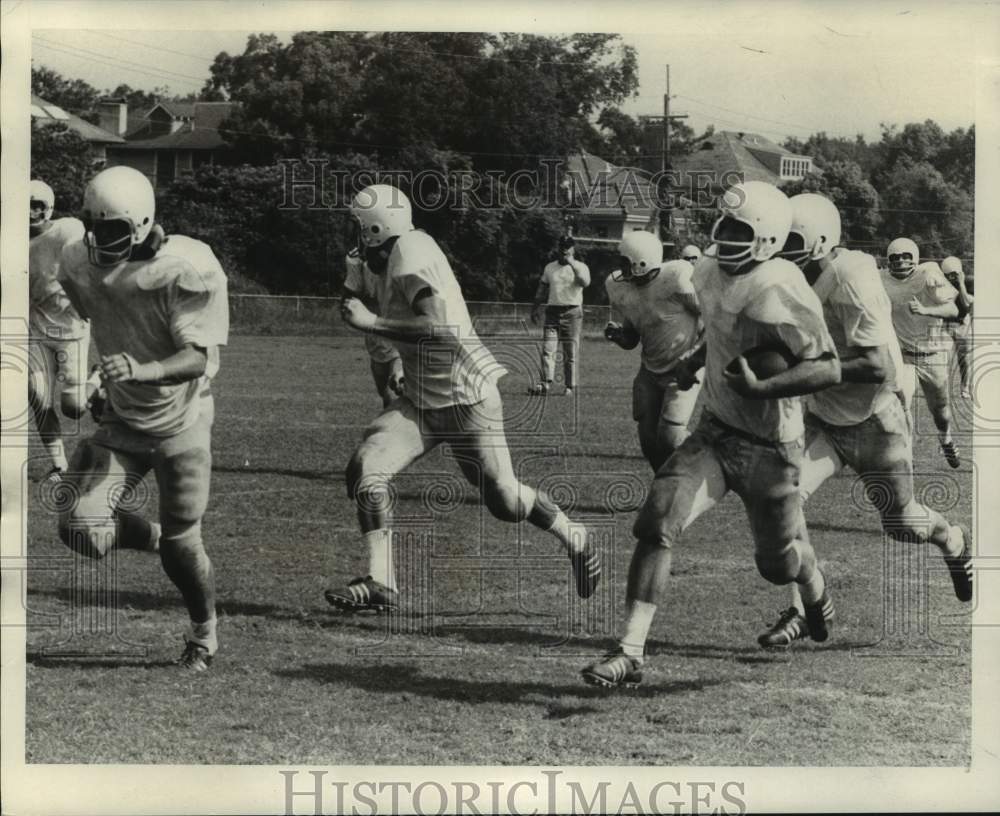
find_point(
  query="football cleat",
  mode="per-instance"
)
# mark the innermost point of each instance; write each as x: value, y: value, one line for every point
x: 586, y: 570
x: 54, y: 476
x: 960, y: 569
x: 538, y: 389
x: 195, y: 657
x: 950, y: 454
x: 818, y: 618
x: 614, y: 671
x: 791, y: 626
x: 364, y: 595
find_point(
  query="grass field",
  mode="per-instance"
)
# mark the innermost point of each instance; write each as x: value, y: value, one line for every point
x: 484, y: 666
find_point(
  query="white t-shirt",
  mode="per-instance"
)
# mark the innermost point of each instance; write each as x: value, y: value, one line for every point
x: 454, y: 367
x: 773, y: 303
x: 367, y: 286
x: 666, y: 329
x: 927, y: 283
x: 151, y: 309
x: 564, y: 290
x: 857, y: 313
x: 50, y: 312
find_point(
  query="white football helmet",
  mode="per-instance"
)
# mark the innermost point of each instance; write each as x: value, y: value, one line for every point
x: 690, y: 253
x: 381, y: 212
x: 40, y: 193
x: 951, y: 265
x: 815, y: 229
x: 903, y: 257
x: 643, y: 251
x: 118, y: 211
x: 754, y: 224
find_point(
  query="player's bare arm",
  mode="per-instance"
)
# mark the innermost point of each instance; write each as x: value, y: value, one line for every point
x: 804, y: 377
x: 866, y: 364
x: 689, y: 301
x: 187, y: 364
x: 430, y: 318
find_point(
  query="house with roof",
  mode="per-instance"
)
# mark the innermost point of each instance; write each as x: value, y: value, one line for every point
x: 727, y: 157
x: 171, y: 139
x: 606, y: 200
x: 45, y: 113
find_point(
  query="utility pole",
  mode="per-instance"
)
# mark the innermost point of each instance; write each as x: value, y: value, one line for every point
x: 667, y: 117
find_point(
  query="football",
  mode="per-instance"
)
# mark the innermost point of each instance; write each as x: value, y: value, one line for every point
x: 765, y: 361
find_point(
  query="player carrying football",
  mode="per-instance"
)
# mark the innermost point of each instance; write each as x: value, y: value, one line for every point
x: 58, y: 336
x: 451, y: 396
x: 860, y: 423
x: 750, y: 436
x: 659, y: 309
x: 386, y: 366
x: 158, y: 310
x: 921, y: 299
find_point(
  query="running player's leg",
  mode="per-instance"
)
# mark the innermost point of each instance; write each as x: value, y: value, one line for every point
x: 391, y: 443
x: 71, y: 373
x: 647, y: 406
x: 183, y: 474
x: 676, y: 408
x: 42, y: 368
x: 479, y: 445
x: 98, y: 480
x: 885, y: 463
x: 689, y: 484
x: 932, y: 373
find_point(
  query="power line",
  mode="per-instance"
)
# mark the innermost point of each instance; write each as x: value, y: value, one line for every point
x: 155, y: 47
x: 104, y: 59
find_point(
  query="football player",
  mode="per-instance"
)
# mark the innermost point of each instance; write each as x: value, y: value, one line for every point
x: 921, y: 300
x: 861, y: 423
x: 750, y: 436
x: 960, y: 328
x: 691, y: 254
x: 659, y: 309
x: 386, y: 365
x: 451, y: 396
x: 159, y: 312
x: 58, y: 337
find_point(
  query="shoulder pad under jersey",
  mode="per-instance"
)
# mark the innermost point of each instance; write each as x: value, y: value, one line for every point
x: 184, y: 262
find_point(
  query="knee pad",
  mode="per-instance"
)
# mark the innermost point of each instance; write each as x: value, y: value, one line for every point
x: 779, y: 567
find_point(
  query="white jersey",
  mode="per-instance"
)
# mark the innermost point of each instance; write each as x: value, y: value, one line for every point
x: 564, y: 288
x: 151, y: 309
x: 368, y: 286
x: 667, y: 330
x: 772, y: 303
x: 453, y: 367
x: 858, y: 314
x: 927, y: 283
x: 50, y: 313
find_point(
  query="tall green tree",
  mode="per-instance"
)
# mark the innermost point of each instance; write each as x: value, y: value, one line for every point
x: 846, y: 185
x: 62, y: 159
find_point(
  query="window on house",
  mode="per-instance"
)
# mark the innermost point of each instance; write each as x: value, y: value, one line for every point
x: 166, y: 168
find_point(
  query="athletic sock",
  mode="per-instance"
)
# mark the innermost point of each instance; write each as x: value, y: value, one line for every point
x: 57, y: 452
x: 945, y: 436
x: 796, y: 597
x: 812, y: 590
x: 637, y: 623
x: 204, y: 635
x: 953, y: 547
x: 572, y: 534
x: 380, y: 557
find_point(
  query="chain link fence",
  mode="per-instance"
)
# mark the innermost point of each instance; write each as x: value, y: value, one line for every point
x: 320, y: 316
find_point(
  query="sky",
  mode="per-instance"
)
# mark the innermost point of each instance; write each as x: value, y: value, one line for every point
x: 781, y: 69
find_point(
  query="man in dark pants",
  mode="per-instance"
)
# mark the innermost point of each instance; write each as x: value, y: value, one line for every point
x: 561, y: 289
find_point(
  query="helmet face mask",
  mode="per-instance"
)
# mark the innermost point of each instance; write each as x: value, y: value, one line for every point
x: 381, y: 212
x: 815, y: 229
x: 903, y: 257
x: 641, y: 254
x: 41, y: 203
x: 691, y: 254
x: 118, y: 211
x: 753, y: 227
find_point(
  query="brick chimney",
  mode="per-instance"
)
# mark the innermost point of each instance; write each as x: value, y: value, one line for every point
x: 113, y: 114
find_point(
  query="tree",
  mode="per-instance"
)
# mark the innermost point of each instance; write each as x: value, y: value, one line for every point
x: 845, y: 184
x: 62, y: 159
x: 73, y: 95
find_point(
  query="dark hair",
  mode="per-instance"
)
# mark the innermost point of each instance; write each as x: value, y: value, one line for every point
x: 566, y: 242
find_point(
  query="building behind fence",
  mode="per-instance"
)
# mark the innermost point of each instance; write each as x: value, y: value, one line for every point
x: 305, y: 315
